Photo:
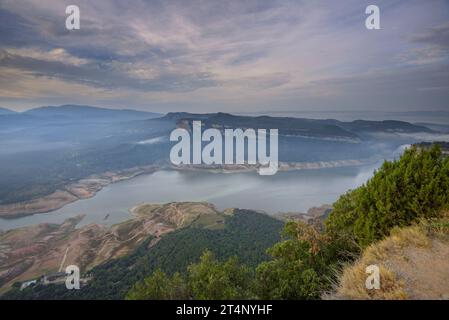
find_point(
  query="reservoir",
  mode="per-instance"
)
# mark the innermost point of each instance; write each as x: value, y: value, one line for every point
x: 286, y: 191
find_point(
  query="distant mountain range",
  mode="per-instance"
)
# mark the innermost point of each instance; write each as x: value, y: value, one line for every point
x: 286, y: 125
x: 328, y: 128
x: 87, y: 112
x: 72, y: 113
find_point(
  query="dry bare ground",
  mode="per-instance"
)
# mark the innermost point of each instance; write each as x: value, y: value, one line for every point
x: 413, y: 262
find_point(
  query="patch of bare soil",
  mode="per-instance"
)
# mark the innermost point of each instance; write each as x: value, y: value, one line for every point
x: 424, y: 271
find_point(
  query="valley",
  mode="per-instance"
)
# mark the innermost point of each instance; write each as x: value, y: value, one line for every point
x: 112, y: 202
x: 89, y: 186
x: 287, y: 191
x: 235, y: 157
x: 53, y: 156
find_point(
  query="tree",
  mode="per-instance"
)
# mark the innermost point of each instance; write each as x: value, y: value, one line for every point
x: 159, y: 286
x: 207, y: 279
x: 299, y: 267
x: 400, y: 192
x: 211, y: 279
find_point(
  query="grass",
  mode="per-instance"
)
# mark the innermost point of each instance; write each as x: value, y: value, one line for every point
x: 420, y: 235
x: 210, y: 221
x: 352, y: 284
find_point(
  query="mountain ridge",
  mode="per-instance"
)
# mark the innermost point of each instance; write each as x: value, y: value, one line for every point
x: 298, y: 126
x: 91, y: 111
x: 73, y: 111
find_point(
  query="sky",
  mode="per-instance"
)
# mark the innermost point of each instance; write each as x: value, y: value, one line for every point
x: 230, y: 56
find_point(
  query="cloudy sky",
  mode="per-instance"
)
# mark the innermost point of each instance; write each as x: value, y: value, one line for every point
x: 234, y: 56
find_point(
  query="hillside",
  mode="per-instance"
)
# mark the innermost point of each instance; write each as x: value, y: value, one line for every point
x: 28, y: 252
x: 169, y: 237
x: 413, y: 262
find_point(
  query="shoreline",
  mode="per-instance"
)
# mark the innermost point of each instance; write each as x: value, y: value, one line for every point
x: 283, y: 166
x: 83, y: 189
x: 88, y: 187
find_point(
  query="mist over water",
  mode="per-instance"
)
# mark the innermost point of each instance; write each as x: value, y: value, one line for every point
x: 292, y: 191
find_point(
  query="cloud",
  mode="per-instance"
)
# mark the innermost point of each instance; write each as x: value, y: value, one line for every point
x: 434, y: 46
x: 225, y: 55
x: 110, y: 76
x: 438, y: 36
x: 54, y: 55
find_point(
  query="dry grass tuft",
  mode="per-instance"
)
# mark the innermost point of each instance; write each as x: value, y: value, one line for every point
x: 352, y: 279
x: 352, y: 284
x: 413, y: 263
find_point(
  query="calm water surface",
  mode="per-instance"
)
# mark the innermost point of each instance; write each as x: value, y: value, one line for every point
x: 293, y: 191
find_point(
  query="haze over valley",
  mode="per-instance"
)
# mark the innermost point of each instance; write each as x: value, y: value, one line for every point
x: 53, y: 156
